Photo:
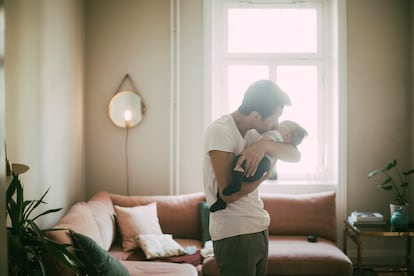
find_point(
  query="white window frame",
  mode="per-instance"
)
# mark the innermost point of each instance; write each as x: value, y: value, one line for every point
x: 329, y: 78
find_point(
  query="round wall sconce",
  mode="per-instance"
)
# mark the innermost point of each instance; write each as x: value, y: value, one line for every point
x: 126, y: 108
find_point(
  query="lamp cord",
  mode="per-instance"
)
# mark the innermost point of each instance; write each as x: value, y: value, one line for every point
x: 126, y: 160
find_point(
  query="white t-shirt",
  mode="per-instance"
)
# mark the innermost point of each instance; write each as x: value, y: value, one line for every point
x: 246, y: 215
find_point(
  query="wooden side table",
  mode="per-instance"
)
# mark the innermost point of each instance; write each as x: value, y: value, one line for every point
x: 356, y: 233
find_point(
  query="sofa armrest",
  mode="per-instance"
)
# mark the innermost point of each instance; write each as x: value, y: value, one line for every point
x: 104, y: 214
x: 80, y: 219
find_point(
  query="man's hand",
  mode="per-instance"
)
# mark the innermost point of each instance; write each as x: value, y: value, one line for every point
x: 222, y: 162
x: 255, y: 152
x: 252, y: 155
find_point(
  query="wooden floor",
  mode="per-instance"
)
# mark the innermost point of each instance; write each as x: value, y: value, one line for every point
x: 392, y: 274
x: 370, y: 272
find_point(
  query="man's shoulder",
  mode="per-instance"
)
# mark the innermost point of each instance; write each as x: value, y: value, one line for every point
x: 223, y: 119
x: 222, y: 123
x: 223, y: 135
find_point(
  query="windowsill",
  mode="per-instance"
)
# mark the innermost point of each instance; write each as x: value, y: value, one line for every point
x: 296, y: 187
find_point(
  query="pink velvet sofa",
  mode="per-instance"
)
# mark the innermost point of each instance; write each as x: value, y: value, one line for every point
x: 293, y: 218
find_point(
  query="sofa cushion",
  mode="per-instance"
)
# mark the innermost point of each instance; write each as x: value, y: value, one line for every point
x: 117, y: 251
x: 159, y: 246
x: 103, y: 211
x: 304, y: 214
x: 137, y: 268
x: 178, y: 214
x: 137, y: 220
x: 294, y: 255
x: 97, y: 260
x: 197, y: 244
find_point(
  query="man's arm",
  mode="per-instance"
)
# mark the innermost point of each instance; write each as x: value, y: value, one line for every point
x: 255, y: 152
x: 222, y: 165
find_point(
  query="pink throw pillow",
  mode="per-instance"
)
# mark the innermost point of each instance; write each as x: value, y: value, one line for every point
x: 134, y: 221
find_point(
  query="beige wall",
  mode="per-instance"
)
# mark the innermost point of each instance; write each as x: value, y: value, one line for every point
x: 135, y: 37
x: 379, y: 93
x: 3, y: 249
x: 46, y: 83
x: 379, y: 84
x: 379, y: 107
x: 44, y: 97
x: 412, y: 89
x: 127, y: 37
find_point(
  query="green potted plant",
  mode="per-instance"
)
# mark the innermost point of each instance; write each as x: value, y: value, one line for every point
x: 28, y: 245
x: 395, y: 181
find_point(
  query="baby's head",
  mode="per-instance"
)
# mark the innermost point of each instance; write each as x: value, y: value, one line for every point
x: 292, y: 132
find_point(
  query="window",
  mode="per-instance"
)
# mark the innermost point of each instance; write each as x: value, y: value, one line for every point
x: 290, y: 43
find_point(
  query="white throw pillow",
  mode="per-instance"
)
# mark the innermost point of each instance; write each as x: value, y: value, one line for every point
x: 137, y: 220
x: 159, y: 246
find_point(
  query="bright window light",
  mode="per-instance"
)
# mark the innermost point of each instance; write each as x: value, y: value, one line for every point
x: 304, y: 95
x: 272, y: 30
x: 290, y: 44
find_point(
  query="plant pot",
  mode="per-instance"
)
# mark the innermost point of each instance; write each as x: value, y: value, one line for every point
x: 399, y: 220
x: 395, y: 207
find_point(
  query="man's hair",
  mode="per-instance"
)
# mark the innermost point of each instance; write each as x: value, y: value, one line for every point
x: 297, y: 132
x: 263, y: 96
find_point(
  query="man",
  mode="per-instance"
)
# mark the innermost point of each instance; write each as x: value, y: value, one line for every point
x: 239, y: 232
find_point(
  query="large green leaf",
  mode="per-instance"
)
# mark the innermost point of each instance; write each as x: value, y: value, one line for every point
x: 391, y: 165
x: 394, y: 180
x: 375, y: 172
x: 386, y: 183
x: 26, y: 241
x: 36, y: 204
x: 386, y: 187
x: 47, y: 212
x: 408, y: 172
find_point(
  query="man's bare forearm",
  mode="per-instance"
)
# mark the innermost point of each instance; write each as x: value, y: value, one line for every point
x: 255, y: 152
x: 246, y: 188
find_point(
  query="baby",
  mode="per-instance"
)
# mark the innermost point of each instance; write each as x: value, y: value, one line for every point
x: 287, y: 132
